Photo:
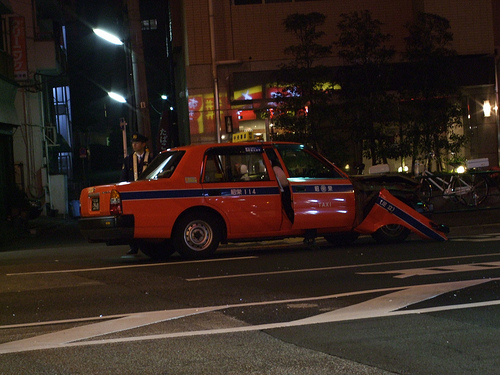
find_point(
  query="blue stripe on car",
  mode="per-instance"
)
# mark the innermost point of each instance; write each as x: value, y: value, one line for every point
x: 197, y: 193
x: 322, y: 188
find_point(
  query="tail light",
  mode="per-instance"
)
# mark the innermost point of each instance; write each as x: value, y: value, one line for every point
x: 115, y: 203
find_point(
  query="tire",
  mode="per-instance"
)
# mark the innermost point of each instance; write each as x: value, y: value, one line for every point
x: 426, y: 190
x: 197, y: 235
x: 470, y: 189
x: 342, y: 239
x: 391, y: 233
x: 157, y: 249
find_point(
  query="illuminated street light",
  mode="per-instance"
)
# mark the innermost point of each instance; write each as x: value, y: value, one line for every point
x: 134, y: 52
x: 108, y: 37
x: 117, y: 97
x: 487, y: 108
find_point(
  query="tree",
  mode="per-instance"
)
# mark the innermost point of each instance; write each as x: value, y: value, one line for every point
x: 365, y: 83
x: 431, y: 113
x: 305, y: 94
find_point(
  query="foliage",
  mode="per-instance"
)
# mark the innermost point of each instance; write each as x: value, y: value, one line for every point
x: 362, y: 45
x: 431, y: 97
x: 378, y: 113
x: 306, y: 91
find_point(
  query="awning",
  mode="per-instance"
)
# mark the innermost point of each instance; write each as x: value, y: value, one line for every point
x: 8, y: 114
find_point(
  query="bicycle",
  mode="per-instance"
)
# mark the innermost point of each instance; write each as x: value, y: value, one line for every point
x: 468, y: 189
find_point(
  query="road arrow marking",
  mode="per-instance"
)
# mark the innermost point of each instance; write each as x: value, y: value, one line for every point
x: 436, y: 270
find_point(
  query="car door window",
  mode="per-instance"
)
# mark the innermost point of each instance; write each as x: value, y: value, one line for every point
x: 232, y: 164
x: 301, y: 163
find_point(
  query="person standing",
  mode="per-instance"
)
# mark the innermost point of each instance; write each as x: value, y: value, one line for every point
x: 133, y: 165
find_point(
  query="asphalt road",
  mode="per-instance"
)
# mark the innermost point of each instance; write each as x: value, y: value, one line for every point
x: 69, y: 307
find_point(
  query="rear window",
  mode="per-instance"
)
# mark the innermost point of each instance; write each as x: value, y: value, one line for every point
x: 163, y: 166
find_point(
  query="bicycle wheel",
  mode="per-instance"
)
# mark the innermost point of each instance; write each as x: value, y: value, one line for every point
x: 425, y: 190
x: 470, y: 189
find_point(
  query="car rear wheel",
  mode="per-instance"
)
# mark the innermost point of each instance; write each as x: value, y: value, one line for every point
x: 157, y: 249
x: 391, y: 233
x: 197, y: 235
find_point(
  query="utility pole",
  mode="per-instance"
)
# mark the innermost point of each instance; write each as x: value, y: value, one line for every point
x: 139, y: 71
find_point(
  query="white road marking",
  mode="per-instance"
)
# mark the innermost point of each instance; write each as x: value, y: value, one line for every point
x: 127, y: 266
x: 61, y: 338
x: 319, y: 269
x: 386, y: 305
x: 262, y: 303
x: 479, y: 238
x: 410, y: 272
x: 389, y: 304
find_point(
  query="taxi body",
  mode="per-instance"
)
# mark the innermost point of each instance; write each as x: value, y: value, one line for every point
x: 192, y: 198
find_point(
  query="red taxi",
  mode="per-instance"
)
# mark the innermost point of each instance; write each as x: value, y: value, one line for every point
x: 192, y: 198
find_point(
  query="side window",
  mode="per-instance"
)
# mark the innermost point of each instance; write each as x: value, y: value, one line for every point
x: 233, y: 164
x: 213, y: 170
x: 304, y: 163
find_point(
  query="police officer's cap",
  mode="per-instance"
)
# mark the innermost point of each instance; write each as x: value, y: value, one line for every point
x: 136, y: 137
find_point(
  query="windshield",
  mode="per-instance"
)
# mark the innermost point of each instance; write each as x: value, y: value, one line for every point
x: 162, y: 166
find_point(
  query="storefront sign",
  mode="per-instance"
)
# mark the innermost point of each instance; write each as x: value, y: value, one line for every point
x: 18, y: 47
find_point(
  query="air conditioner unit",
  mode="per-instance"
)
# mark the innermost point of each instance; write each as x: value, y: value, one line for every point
x: 51, y: 135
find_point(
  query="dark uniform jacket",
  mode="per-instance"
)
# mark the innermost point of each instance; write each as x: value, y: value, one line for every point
x: 129, y: 173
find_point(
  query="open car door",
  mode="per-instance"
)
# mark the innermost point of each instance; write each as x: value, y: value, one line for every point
x: 388, y: 210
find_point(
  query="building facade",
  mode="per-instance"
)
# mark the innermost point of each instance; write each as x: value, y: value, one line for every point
x: 231, y: 49
x: 35, y: 111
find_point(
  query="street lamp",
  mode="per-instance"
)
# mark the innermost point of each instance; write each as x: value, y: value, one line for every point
x: 487, y: 108
x: 107, y: 36
x: 117, y: 97
x: 135, y: 54
x: 123, y: 123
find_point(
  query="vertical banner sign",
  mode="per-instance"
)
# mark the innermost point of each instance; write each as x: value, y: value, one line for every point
x: 18, y: 47
x: 164, y: 136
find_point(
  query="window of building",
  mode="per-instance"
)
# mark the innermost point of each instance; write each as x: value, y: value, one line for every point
x: 246, y: 2
x: 149, y: 24
x: 3, y: 35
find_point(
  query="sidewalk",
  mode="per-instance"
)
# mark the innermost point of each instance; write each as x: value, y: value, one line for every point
x: 42, y: 232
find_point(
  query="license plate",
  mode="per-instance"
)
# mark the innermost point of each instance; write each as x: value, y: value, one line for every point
x: 95, y: 204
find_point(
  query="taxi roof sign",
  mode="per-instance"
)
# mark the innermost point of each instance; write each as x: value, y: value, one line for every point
x: 243, y: 137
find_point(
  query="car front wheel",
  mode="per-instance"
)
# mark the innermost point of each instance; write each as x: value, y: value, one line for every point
x: 391, y: 233
x: 197, y: 235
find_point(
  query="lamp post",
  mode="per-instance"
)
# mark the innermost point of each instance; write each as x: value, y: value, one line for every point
x: 136, y: 56
x: 123, y: 123
x: 139, y: 70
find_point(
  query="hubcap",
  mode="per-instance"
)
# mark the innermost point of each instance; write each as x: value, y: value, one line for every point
x: 198, y: 235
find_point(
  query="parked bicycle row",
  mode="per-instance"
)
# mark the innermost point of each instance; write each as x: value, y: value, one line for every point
x: 469, y: 186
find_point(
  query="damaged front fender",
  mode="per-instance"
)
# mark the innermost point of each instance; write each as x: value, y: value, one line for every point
x: 388, y: 210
